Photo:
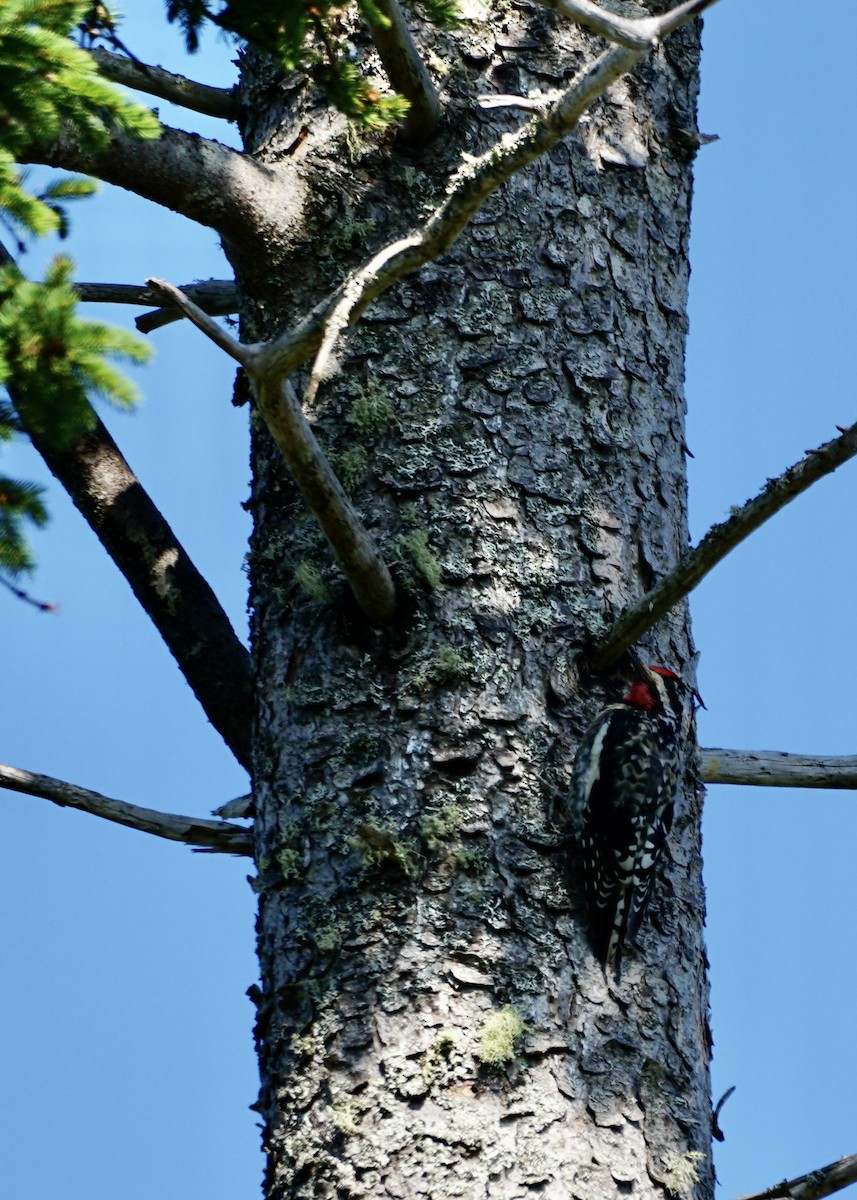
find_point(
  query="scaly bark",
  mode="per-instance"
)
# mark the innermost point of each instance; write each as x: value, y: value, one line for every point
x: 511, y: 425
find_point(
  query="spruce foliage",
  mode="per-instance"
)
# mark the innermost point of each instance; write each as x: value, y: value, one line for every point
x: 51, y: 360
x: 19, y: 502
x: 45, y: 80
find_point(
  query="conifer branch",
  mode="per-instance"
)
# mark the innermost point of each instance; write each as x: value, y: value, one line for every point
x: 180, y: 602
x: 642, y: 615
x: 178, y: 89
x: 246, y: 202
x: 406, y: 71
x: 814, y: 1185
x: 776, y: 768
x: 199, y: 832
x: 177, y: 598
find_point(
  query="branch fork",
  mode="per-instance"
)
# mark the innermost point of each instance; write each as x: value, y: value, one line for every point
x: 635, y: 33
x: 355, y: 550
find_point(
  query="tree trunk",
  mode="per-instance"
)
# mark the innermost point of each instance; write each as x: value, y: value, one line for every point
x: 511, y: 425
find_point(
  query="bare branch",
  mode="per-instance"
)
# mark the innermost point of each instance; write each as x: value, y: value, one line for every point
x: 244, y: 354
x: 716, y: 1132
x: 534, y: 103
x: 635, y: 34
x: 406, y: 71
x: 219, y: 836
x: 155, y: 81
x: 624, y: 31
x: 717, y: 543
x: 775, y: 768
x: 338, y: 319
x: 210, y: 298
x: 815, y: 1184
x: 217, y: 297
x: 680, y: 15
x: 355, y: 551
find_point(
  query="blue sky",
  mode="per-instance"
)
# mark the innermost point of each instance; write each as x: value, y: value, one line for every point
x: 770, y: 374
x: 126, y: 1048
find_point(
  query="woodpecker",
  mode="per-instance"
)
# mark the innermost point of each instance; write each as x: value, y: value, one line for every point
x: 624, y: 780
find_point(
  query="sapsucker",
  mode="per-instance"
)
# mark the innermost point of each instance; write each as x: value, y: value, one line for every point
x: 624, y: 781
